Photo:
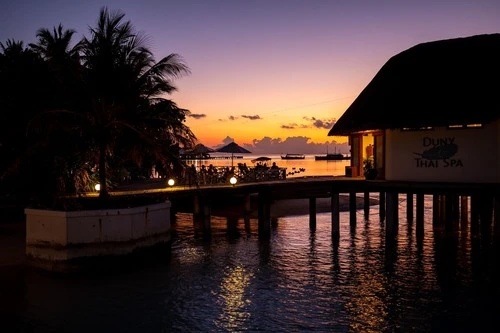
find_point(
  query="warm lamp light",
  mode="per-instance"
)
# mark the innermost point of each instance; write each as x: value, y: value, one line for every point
x: 233, y: 180
x: 97, y: 187
x: 171, y: 182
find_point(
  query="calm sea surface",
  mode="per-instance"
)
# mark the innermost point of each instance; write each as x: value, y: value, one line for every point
x: 295, y: 168
x: 296, y: 281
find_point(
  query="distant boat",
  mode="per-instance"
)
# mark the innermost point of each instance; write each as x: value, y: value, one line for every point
x: 293, y: 157
x: 331, y: 157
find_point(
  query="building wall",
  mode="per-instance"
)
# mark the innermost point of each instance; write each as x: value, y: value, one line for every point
x: 446, y: 155
x: 59, y: 236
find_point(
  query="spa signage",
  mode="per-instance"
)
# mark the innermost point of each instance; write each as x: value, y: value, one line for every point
x: 438, y: 152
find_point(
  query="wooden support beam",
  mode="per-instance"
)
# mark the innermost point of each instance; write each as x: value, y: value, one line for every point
x: 247, y: 210
x: 312, y: 213
x: 366, y: 205
x: 392, y: 213
x: 409, y: 206
x: 449, y: 211
x: 352, y: 209
x: 335, y: 216
x: 436, y: 209
x: 464, y: 211
x: 381, y: 205
x: 264, y: 212
x: 496, y: 216
x: 474, y: 214
x: 420, y: 214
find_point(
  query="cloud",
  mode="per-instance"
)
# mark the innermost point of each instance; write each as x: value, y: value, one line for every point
x: 256, y: 117
x: 231, y: 118
x: 320, y: 123
x: 197, y: 115
x: 225, y: 141
x: 311, y: 122
x: 293, y: 144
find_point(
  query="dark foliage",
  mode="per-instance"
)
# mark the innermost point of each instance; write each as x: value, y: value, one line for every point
x: 76, y: 114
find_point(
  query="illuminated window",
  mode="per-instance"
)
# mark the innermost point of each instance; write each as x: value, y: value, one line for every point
x: 465, y: 126
x: 425, y: 128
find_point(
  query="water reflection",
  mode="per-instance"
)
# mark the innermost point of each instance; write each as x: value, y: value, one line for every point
x: 232, y: 297
x: 298, y: 279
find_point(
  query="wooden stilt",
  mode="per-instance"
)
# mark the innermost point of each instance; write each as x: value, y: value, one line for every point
x: 420, y: 214
x: 352, y: 209
x: 442, y: 209
x: 435, y: 209
x: 264, y: 212
x: 207, y: 227
x: 201, y: 216
x: 409, y: 206
x: 474, y: 214
x: 247, y: 207
x: 335, y: 216
x: 464, y: 212
x: 382, y: 206
x: 366, y: 205
x: 312, y: 213
x: 448, y: 211
x: 392, y: 213
x: 496, y: 216
x: 232, y: 225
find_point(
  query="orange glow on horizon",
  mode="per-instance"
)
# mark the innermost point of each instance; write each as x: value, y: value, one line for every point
x: 244, y: 125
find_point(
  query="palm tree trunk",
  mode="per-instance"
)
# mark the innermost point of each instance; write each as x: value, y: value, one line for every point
x: 103, y: 193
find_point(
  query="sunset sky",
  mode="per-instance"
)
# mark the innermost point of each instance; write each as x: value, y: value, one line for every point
x: 272, y: 75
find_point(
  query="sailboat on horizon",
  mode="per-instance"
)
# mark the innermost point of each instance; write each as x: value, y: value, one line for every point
x: 331, y: 157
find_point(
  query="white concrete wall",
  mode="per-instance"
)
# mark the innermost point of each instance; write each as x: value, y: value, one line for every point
x: 57, y: 235
x: 476, y: 159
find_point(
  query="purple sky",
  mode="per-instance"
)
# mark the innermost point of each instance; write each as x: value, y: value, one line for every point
x: 273, y: 74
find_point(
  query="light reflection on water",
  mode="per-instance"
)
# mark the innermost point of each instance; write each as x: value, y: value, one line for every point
x: 296, y: 281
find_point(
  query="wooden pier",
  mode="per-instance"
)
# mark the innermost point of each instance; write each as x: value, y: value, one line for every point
x: 452, y: 202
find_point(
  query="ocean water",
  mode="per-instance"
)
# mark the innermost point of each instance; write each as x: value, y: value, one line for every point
x: 309, y: 165
x: 298, y: 280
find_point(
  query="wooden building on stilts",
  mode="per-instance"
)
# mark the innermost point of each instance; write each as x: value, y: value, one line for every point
x: 431, y: 115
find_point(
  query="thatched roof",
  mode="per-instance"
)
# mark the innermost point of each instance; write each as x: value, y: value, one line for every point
x: 447, y: 82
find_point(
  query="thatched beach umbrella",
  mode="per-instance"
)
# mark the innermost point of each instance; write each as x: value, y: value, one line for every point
x: 201, y: 149
x: 261, y: 159
x: 233, y: 148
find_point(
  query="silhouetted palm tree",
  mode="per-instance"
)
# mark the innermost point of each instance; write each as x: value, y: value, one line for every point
x: 57, y: 127
x: 106, y: 99
x: 62, y: 61
x: 22, y: 92
x: 125, y: 87
x: 56, y: 47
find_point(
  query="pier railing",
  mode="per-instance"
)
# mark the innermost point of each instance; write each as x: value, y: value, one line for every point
x: 218, y: 175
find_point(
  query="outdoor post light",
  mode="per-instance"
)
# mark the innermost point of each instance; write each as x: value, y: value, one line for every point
x: 171, y: 182
x: 97, y: 187
x: 233, y: 180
